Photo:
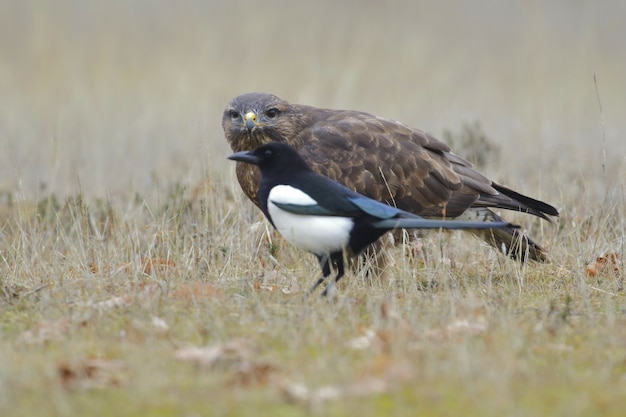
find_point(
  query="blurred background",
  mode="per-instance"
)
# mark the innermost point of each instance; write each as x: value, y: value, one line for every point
x: 114, y: 97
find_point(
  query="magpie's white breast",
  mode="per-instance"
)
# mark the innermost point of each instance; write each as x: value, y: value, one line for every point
x: 313, y: 233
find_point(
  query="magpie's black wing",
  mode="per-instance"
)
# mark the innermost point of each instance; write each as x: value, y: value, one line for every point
x: 336, y: 200
x: 332, y: 198
x: 306, y: 209
x: 361, y: 204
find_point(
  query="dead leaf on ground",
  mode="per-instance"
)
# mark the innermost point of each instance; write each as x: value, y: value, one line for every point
x: 195, y: 290
x: 389, y: 374
x: 44, y: 332
x: 364, y: 341
x: 111, y: 303
x: 295, y: 392
x: 473, y: 326
x: 248, y: 373
x: 300, y: 393
x: 378, y: 340
x: 159, y: 324
x: 555, y: 347
x: 91, y: 373
x: 262, y: 262
x: 259, y: 286
x: 414, y: 249
x: 232, y: 351
x: 237, y: 356
x: 396, y: 330
x: 274, y: 281
x: 148, y: 289
x: 605, y: 264
x: 95, y: 268
x: 147, y: 265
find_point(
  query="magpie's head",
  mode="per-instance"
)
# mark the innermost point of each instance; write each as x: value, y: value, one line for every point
x: 273, y: 157
x: 253, y: 119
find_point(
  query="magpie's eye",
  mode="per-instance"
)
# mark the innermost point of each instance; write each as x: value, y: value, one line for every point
x: 268, y: 154
x: 271, y: 113
x: 233, y: 114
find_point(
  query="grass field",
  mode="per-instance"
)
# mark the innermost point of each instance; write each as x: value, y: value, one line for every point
x: 137, y: 280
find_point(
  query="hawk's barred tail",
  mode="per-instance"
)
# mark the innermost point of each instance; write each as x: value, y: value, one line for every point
x: 513, y: 244
x: 508, y: 240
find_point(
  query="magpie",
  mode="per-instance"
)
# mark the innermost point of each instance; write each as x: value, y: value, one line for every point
x: 321, y: 216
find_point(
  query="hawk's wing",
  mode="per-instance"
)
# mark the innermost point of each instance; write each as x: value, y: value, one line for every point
x: 388, y: 161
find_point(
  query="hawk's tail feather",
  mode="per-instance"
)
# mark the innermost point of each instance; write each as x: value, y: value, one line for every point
x: 508, y: 240
x: 528, y: 204
x: 514, y: 244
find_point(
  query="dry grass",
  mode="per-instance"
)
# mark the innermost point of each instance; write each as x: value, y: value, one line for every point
x: 135, y: 278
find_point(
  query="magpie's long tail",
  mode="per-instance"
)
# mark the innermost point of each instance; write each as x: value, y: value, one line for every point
x: 485, y: 224
x: 414, y: 223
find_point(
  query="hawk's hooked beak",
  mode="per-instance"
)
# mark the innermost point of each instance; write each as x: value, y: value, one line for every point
x: 250, y: 121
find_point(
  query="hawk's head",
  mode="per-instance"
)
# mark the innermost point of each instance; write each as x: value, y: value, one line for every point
x: 253, y: 119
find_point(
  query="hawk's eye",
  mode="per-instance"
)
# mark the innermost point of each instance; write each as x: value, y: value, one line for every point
x: 233, y: 114
x: 271, y: 113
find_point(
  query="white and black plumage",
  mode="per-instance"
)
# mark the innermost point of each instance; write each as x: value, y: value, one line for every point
x: 323, y: 217
x: 383, y: 159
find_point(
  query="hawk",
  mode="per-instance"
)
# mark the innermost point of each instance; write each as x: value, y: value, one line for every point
x: 383, y: 159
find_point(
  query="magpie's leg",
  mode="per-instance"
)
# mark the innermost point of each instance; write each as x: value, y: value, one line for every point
x: 317, y: 284
x: 325, y: 264
x: 340, y: 272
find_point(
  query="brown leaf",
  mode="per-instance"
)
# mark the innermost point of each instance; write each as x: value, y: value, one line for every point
x: 252, y: 373
x: 202, y: 356
x: 295, y: 392
x: 389, y: 374
x: 159, y: 324
x: 108, y: 268
x: 606, y: 264
x: 235, y: 350
x: 111, y: 303
x: 44, y: 332
x: 148, y: 265
x: 473, y: 325
x: 91, y: 373
x: 262, y: 262
x: 236, y: 356
x: 367, y: 340
x: 260, y: 286
x: 195, y: 290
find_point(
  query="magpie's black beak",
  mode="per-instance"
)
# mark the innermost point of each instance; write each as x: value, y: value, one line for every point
x: 245, y: 156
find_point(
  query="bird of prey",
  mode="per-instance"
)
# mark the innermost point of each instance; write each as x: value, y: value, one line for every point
x: 383, y: 159
x: 324, y: 217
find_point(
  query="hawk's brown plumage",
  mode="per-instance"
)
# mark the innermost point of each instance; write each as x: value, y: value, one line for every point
x: 381, y: 158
